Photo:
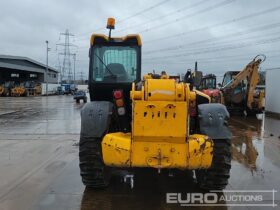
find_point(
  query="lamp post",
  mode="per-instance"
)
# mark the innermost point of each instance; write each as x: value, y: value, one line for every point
x: 74, y: 56
x: 47, y: 69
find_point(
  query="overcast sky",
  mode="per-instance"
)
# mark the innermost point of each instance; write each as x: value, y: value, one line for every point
x: 220, y: 34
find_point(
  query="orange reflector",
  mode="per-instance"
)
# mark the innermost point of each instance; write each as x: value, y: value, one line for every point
x: 119, y: 102
x: 111, y: 23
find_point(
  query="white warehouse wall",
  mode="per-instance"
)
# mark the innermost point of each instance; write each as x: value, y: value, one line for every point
x: 52, y: 88
x: 272, y: 90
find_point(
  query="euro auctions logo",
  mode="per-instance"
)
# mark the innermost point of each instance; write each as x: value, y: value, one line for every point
x: 260, y: 198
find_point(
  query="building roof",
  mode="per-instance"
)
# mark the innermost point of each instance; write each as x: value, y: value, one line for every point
x: 275, y: 68
x: 23, y: 63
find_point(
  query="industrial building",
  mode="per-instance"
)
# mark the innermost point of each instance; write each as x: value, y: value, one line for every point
x: 20, y: 69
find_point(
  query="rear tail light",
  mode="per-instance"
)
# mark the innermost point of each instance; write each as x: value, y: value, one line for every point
x: 119, y: 102
x: 118, y: 94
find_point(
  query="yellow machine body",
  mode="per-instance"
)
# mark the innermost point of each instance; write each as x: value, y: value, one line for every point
x: 160, y: 136
x: 18, y: 91
x: 2, y: 90
x: 38, y: 89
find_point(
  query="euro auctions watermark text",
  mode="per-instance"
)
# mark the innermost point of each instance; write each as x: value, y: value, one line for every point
x: 260, y: 198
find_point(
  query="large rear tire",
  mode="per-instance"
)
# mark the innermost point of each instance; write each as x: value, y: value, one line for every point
x: 93, y: 171
x: 216, y: 177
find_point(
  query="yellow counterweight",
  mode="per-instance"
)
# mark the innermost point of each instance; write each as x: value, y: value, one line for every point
x: 159, y: 136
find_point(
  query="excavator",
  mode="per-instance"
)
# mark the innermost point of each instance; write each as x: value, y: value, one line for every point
x: 239, y: 89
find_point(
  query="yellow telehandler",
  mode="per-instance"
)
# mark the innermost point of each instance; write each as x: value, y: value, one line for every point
x: 155, y: 123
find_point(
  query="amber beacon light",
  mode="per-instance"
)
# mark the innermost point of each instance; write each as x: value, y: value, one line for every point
x: 111, y: 23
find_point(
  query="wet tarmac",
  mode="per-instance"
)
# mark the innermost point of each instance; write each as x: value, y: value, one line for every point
x: 39, y: 162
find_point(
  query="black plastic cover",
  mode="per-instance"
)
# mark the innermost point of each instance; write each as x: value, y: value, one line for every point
x: 95, y: 118
x: 213, y: 121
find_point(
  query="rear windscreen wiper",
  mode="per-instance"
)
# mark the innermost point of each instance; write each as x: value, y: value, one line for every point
x: 112, y: 74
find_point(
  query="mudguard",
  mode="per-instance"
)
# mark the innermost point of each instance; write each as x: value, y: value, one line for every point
x: 212, y: 120
x: 95, y: 118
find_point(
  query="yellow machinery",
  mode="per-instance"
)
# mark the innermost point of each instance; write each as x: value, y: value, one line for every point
x: 6, y: 88
x: 159, y: 131
x: 239, y: 88
x: 38, y: 89
x: 33, y: 89
x: 155, y: 123
x: 2, y: 90
x: 18, y: 91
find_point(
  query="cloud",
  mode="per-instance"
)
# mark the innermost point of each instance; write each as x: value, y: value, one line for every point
x: 25, y: 25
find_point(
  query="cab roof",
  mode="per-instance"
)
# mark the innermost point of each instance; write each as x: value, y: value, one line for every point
x: 102, y: 39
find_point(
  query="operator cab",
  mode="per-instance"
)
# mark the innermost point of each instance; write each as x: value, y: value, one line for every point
x: 115, y: 63
x: 238, y: 94
x: 208, y: 82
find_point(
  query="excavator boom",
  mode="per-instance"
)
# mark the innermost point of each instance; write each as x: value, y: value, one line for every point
x: 251, y: 75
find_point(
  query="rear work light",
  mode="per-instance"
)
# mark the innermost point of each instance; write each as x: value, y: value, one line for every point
x: 121, y: 111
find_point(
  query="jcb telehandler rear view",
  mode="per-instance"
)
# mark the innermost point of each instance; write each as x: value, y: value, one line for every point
x: 156, y: 123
